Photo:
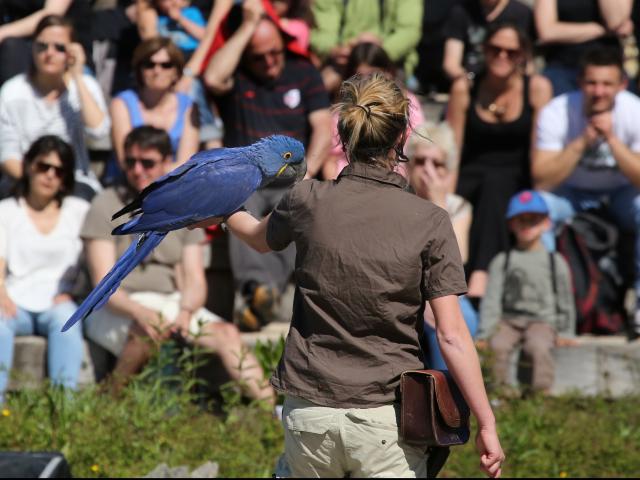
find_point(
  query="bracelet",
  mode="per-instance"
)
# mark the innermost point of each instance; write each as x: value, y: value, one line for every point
x: 188, y: 72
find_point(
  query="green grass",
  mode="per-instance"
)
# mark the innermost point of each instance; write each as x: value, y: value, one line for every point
x: 155, y: 422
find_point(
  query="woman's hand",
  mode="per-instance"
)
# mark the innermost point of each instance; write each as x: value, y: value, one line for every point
x: 181, y: 324
x: 7, y: 307
x: 431, y: 185
x: 491, y: 454
x: 77, y: 59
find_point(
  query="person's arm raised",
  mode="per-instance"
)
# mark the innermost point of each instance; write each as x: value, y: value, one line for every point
x: 218, y: 77
x: 460, y: 356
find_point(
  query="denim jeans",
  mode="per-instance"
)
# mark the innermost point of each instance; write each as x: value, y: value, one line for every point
x: 471, y: 319
x: 64, y: 351
x: 623, y: 204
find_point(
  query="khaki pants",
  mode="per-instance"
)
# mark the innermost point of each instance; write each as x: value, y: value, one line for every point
x: 111, y: 330
x: 538, y: 340
x: 339, y: 442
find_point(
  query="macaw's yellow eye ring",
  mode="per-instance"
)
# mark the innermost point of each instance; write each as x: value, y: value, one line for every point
x: 286, y: 155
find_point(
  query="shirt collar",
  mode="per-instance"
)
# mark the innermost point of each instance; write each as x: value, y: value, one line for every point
x: 375, y: 173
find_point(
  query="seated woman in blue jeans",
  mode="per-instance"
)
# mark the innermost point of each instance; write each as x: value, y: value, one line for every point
x: 39, y: 251
x: 432, y: 166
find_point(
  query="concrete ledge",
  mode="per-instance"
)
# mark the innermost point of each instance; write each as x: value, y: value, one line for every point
x: 607, y: 366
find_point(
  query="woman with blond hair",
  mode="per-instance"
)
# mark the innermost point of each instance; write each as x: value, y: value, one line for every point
x: 369, y: 254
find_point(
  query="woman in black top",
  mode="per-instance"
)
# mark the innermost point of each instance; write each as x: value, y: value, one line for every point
x: 493, y: 121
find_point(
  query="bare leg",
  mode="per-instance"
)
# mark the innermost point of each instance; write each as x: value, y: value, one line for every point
x: 224, y: 339
x: 135, y: 354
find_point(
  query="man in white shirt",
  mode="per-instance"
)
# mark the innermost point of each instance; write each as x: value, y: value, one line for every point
x: 587, y: 148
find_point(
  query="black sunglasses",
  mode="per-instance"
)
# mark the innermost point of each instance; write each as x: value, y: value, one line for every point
x: 43, y: 167
x: 44, y: 46
x: 146, y: 163
x: 150, y: 64
x: 512, y: 53
x: 262, y: 57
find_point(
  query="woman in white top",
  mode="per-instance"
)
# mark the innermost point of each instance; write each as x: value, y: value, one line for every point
x: 39, y: 250
x: 433, y: 163
x: 55, y: 98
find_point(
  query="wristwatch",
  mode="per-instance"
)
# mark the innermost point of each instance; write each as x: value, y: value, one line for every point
x: 188, y: 72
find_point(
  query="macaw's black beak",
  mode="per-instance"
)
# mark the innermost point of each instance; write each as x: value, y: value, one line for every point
x: 293, y: 171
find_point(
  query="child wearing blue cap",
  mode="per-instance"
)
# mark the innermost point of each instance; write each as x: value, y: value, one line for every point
x: 529, y: 297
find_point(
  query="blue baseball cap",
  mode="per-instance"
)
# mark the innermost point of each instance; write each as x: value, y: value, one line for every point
x: 527, y: 201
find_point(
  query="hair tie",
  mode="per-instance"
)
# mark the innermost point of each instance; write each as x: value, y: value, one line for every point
x: 366, y: 108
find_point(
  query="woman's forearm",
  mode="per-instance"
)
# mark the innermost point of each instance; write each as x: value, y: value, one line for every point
x: 250, y: 230
x: 461, y: 357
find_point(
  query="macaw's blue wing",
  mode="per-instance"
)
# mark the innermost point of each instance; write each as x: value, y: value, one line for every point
x: 208, y: 189
x: 136, y: 253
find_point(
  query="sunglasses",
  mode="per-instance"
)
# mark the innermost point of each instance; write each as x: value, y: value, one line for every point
x: 512, y: 53
x: 43, y: 167
x: 262, y: 57
x: 44, y: 46
x: 146, y: 163
x: 150, y: 65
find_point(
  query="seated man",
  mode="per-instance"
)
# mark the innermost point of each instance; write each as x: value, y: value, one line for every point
x: 587, y: 148
x: 262, y: 89
x: 165, y: 294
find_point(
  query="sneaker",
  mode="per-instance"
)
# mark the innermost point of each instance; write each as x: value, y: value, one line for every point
x: 261, y: 301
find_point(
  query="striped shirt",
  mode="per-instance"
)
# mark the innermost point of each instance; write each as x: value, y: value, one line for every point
x: 253, y: 109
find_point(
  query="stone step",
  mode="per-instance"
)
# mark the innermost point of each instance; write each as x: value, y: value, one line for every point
x: 596, y: 366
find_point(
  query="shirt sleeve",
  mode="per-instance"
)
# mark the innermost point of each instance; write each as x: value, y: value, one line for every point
x: 315, y: 94
x: 566, y: 314
x: 457, y: 24
x: 97, y: 224
x: 4, y: 245
x: 280, y: 226
x: 442, y: 272
x: 194, y: 14
x: 491, y: 305
x: 9, y: 133
x: 406, y: 31
x: 104, y: 128
x: 551, y: 128
x: 325, y: 34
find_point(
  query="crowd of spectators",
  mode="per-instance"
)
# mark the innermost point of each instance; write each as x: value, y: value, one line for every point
x: 535, y: 94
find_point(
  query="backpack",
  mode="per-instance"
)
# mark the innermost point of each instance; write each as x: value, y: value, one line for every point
x: 588, y: 243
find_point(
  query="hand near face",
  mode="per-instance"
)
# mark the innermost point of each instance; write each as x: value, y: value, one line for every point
x: 252, y: 11
x: 76, y: 58
x: 602, y: 123
x: 431, y: 184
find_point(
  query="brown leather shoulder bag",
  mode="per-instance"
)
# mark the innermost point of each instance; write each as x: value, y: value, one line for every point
x: 432, y: 413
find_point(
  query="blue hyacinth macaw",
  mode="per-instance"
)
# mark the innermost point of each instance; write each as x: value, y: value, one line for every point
x: 213, y: 183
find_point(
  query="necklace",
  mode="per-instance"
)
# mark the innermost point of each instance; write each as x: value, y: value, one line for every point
x: 497, y: 110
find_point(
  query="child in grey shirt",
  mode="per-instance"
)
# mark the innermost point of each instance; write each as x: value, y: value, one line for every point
x: 528, y: 298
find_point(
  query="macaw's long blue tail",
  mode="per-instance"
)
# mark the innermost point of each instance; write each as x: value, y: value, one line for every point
x: 135, y: 254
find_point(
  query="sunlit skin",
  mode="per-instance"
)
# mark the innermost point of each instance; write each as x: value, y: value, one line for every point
x: 158, y: 78
x: 139, y: 177
x: 47, y: 184
x: 504, y: 53
x: 600, y: 85
x: 528, y: 229
x: 428, y: 173
x: 51, y: 62
x: 265, y: 55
